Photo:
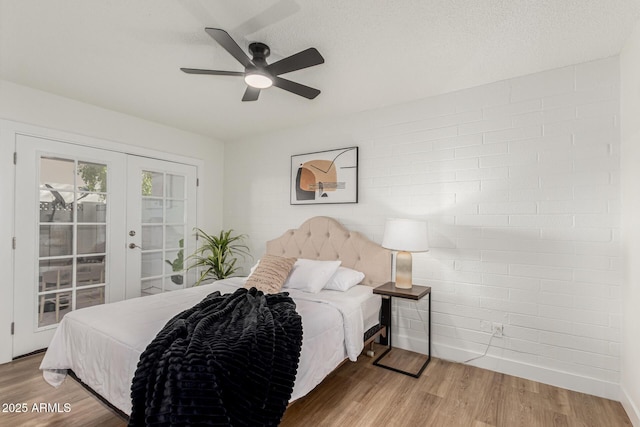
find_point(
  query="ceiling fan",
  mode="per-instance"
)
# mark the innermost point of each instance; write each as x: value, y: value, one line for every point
x: 257, y: 73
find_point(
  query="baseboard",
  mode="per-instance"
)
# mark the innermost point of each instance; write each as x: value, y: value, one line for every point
x: 630, y: 407
x: 540, y: 374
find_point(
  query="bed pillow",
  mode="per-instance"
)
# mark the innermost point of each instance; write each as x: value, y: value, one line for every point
x: 270, y: 274
x: 311, y: 275
x: 344, y: 279
x: 254, y: 268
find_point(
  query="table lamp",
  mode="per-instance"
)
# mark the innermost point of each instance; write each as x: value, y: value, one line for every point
x: 405, y: 236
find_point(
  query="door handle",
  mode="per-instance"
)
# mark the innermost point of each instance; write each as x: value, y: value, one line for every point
x: 133, y: 246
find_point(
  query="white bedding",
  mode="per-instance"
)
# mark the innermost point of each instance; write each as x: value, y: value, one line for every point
x: 102, y: 344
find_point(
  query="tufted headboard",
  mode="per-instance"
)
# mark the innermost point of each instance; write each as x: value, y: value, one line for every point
x: 324, y: 238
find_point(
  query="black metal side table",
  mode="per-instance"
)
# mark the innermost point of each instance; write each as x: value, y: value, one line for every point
x: 416, y: 293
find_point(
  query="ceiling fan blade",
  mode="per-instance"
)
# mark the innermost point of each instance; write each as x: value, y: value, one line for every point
x: 225, y: 40
x: 297, y: 88
x: 251, y: 94
x: 304, y: 59
x: 212, y: 72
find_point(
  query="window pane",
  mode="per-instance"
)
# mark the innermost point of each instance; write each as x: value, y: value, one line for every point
x: 52, y: 307
x: 152, y: 264
x: 152, y: 184
x: 151, y: 237
x: 90, y: 271
x: 56, y: 240
x: 55, y: 274
x: 92, y: 207
x: 89, y: 297
x: 92, y: 177
x: 175, y: 211
x: 57, y: 173
x: 175, y: 186
x: 56, y: 206
x: 151, y: 210
x: 91, y: 239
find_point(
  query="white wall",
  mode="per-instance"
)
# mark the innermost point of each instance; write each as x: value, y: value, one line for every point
x: 630, y: 136
x: 44, y: 110
x: 520, y: 183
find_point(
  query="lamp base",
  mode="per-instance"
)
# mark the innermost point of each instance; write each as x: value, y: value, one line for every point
x: 403, y: 270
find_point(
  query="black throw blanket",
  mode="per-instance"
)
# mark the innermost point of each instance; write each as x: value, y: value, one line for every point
x: 229, y: 360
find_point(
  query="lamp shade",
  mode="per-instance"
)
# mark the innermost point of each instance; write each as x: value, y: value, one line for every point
x: 405, y: 235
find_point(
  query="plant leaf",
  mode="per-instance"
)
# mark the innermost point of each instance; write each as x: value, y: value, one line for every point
x: 218, y: 254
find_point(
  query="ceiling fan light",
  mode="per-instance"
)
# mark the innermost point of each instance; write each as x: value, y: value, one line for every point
x: 259, y: 81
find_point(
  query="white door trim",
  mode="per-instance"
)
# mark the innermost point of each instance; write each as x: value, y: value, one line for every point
x: 7, y: 144
x: 8, y: 131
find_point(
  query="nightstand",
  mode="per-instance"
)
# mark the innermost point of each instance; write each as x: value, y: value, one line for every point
x: 388, y: 291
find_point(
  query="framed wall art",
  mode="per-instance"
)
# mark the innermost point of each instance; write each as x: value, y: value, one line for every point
x: 325, y: 177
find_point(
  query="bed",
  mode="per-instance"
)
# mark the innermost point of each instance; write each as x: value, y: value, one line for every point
x: 102, y: 344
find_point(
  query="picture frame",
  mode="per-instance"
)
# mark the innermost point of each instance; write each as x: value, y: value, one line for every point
x: 325, y: 177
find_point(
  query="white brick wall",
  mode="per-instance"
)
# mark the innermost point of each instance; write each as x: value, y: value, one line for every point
x: 519, y: 181
x: 630, y: 208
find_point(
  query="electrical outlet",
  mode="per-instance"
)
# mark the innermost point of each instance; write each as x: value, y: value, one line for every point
x: 497, y: 328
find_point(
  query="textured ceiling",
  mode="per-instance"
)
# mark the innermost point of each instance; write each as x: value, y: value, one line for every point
x: 125, y: 55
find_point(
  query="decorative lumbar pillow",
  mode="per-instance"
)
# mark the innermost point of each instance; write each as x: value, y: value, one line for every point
x: 270, y: 274
x: 311, y: 275
x: 254, y: 268
x: 344, y: 279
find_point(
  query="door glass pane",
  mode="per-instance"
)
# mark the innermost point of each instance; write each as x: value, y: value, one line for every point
x: 151, y: 286
x: 91, y: 239
x: 152, y: 210
x: 55, y: 274
x: 92, y: 207
x: 175, y: 211
x: 56, y: 240
x: 151, y: 237
x: 152, y: 264
x: 52, y: 307
x: 152, y: 184
x: 90, y: 271
x: 174, y: 236
x: 92, y: 177
x: 89, y: 297
x: 174, y: 261
x: 175, y: 186
x: 56, y: 206
x: 57, y: 173
x: 174, y: 282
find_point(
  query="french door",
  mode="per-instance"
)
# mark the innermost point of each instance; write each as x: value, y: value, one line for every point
x: 69, y: 225
x: 161, y: 216
x: 94, y: 226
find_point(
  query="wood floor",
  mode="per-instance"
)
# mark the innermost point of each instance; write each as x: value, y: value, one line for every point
x: 21, y: 382
x: 356, y: 394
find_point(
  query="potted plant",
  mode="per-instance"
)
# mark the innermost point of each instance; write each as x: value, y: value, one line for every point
x: 178, y: 264
x: 217, y: 255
